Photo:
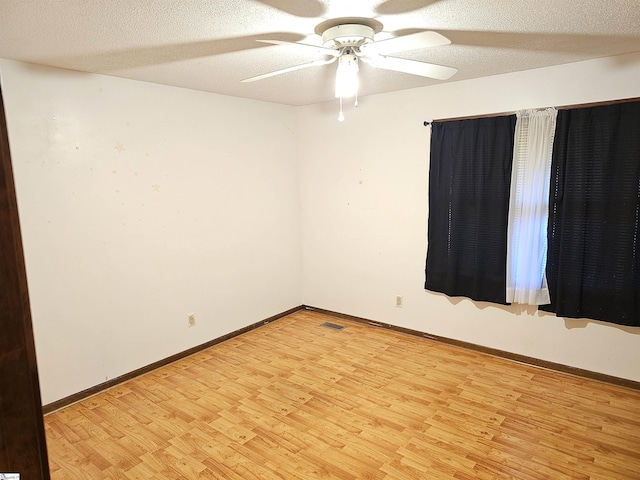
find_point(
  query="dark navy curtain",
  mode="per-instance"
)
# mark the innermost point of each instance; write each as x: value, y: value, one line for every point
x: 469, y: 182
x: 593, y: 258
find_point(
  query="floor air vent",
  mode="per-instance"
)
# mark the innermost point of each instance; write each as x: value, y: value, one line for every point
x: 335, y: 326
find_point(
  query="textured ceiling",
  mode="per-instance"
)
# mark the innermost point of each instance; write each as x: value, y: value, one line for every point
x: 210, y: 45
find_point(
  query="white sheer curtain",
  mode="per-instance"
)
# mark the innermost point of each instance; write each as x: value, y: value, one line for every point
x: 529, y: 207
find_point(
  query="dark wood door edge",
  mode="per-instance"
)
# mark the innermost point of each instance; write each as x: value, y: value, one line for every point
x: 23, y: 446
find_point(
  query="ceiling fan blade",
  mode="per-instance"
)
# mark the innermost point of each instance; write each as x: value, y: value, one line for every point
x: 316, y: 48
x: 414, y: 67
x: 413, y: 41
x: 394, y: 7
x: 298, y: 8
x: 315, y: 63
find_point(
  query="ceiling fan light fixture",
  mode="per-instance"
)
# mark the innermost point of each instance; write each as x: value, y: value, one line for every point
x: 347, y: 76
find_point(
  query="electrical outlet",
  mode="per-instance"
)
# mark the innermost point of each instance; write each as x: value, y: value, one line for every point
x: 399, y: 301
x: 192, y: 319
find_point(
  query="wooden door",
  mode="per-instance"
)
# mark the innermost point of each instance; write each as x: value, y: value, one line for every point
x: 22, y: 440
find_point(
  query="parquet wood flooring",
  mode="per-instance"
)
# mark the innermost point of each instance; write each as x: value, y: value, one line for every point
x: 295, y: 400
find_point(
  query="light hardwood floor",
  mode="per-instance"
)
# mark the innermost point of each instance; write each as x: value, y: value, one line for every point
x: 296, y: 400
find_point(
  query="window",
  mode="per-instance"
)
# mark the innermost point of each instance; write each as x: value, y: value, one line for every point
x: 529, y: 207
x: 478, y: 215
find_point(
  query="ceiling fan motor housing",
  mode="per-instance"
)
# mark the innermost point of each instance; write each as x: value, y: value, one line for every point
x: 347, y: 35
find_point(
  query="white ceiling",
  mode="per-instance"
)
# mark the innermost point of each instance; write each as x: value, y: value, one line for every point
x: 210, y: 45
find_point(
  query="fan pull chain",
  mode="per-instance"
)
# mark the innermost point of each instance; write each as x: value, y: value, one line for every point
x: 341, y: 114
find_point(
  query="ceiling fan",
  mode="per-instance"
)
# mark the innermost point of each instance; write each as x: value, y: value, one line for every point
x: 351, y: 40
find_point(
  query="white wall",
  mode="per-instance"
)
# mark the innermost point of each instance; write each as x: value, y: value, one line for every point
x: 364, y: 185
x: 140, y: 204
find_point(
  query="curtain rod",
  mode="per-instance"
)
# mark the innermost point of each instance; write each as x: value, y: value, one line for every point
x: 563, y: 107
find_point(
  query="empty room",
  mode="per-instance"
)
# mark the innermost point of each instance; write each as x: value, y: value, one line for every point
x: 274, y: 239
